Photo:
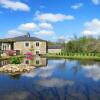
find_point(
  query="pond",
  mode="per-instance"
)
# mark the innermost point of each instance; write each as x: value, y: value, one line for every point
x: 53, y: 79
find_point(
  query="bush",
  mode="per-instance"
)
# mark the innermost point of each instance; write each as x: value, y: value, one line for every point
x: 10, y: 52
x: 87, y: 54
x: 67, y: 54
x: 58, y: 53
x: 93, y: 54
x: 15, y: 60
x: 83, y: 54
x: 29, y: 55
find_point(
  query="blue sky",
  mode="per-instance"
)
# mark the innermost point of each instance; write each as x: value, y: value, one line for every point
x: 49, y: 19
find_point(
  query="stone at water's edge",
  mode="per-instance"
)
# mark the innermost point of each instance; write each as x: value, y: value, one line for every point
x: 12, y: 68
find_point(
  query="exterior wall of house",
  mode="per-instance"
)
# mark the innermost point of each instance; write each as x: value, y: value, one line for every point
x: 23, y: 49
x: 54, y: 50
x: 41, y: 48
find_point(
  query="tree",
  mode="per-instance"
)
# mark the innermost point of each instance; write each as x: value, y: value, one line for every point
x: 82, y: 44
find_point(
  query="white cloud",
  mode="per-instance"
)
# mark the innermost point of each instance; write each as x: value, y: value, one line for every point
x: 22, y: 29
x: 43, y: 72
x: 45, y: 32
x: 46, y: 80
x: 13, y: 33
x: 55, y: 82
x: 92, y: 27
x: 77, y: 6
x: 96, y: 2
x: 62, y: 38
x: 27, y: 27
x: 45, y: 26
x: 14, y: 5
x: 92, y: 71
x: 50, y: 17
x: 42, y: 29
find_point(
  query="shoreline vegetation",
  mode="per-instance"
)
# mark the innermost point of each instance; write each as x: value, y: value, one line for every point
x: 79, y: 56
x: 85, y: 47
x: 8, y: 57
x: 16, y: 66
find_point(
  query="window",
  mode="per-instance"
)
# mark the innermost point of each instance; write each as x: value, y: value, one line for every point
x: 37, y: 61
x: 26, y: 44
x: 37, y: 52
x: 37, y: 44
x: 4, y: 47
x: 27, y: 62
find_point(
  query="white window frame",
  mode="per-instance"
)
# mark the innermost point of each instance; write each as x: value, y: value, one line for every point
x: 36, y: 43
x: 25, y: 44
x: 37, y: 51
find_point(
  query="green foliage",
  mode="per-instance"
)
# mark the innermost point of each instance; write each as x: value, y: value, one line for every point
x: 56, y: 53
x: 82, y: 45
x: 59, y: 53
x: 15, y: 60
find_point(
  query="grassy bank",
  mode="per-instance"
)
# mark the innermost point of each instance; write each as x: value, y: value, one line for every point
x: 74, y: 56
x: 8, y: 57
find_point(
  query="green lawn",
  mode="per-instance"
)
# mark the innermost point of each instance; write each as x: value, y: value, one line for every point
x: 75, y: 56
x: 8, y: 57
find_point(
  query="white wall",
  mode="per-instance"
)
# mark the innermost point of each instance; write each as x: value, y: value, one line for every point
x: 54, y: 50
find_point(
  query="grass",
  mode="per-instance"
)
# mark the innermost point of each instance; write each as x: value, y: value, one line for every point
x: 78, y: 56
x: 8, y: 57
x: 74, y: 56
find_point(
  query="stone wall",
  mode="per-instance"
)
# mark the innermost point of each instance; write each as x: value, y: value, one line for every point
x: 23, y: 49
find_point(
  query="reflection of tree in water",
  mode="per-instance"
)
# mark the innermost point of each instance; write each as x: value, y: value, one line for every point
x: 76, y: 68
x: 62, y: 65
x: 15, y: 76
x: 80, y: 91
x: 90, y: 92
x: 89, y: 62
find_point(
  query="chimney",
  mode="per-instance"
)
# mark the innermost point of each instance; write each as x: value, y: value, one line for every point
x: 27, y: 34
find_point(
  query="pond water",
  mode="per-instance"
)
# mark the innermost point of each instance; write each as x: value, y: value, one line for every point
x: 53, y: 79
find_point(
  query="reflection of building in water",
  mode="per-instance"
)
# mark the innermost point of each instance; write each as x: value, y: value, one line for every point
x: 37, y: 61
x: 3, y: 62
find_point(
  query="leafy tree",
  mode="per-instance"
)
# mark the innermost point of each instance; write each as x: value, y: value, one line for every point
x: 82, y: 45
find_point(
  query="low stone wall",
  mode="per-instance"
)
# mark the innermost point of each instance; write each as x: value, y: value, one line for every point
x: 12, y: 68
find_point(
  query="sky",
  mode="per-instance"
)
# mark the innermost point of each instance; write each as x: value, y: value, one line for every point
x: 49, y: 19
